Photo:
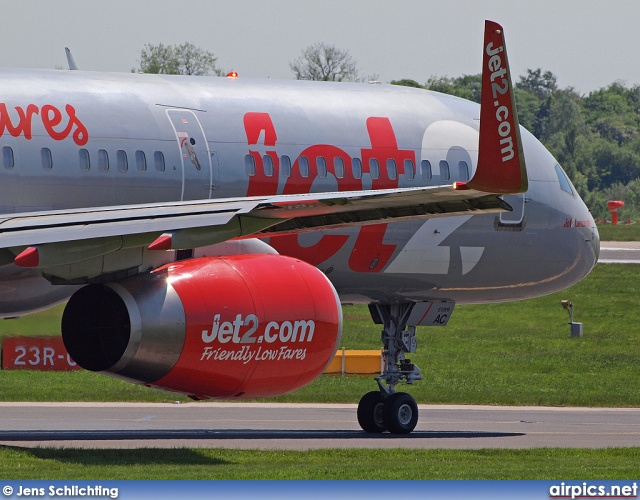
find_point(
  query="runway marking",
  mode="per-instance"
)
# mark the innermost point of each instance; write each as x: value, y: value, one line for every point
x: 616, y: 261
x: 620, y: 249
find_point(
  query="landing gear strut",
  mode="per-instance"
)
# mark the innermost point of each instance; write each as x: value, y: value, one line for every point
x: 387, y: 409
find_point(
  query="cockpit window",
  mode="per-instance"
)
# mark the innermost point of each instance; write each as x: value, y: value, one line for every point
x: 565, y: 183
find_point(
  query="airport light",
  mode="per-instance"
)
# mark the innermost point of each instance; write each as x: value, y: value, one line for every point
x: 576, y: 328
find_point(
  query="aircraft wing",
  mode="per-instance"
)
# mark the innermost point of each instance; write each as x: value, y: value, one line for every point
x: 165, y: 226
x: 358, y: 208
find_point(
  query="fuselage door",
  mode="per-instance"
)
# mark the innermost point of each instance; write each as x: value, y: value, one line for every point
x: 197, y: 168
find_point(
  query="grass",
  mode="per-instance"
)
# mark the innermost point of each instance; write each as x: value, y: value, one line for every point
x: 512, y: 354
x: 182, y: 463
x: 621, y: 232
x: 43, y: 323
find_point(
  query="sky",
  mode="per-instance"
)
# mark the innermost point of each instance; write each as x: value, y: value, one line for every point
x: 587, y: 44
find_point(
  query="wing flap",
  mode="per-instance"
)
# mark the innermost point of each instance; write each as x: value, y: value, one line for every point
x: 394, y: 206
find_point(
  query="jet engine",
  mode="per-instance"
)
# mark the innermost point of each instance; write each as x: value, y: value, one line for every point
x: 214, y: 327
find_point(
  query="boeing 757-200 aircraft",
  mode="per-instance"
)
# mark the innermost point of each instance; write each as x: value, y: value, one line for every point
x: 205, y: 231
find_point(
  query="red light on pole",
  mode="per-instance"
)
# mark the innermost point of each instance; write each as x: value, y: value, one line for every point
x: 614, y: 205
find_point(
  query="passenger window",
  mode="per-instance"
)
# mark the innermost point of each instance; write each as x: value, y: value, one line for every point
x: 374, y: 168
x: 250, y: 165
x: 321, y: 165
x: 338, y: 167
x: 565, y: 183
x: 304, y: 166
x: 392, y: 170
x: 123, y: 162
x: 103, y: 160
x: 425, y: 166
x: 85, y: 161
x: 445, y: 175
x: 409, y: 171
x: 47, y: 160
x: 267, y: 162
x: 141, y: 161
x: 285, y: 166
x: 7, y: 157
x: 158, y: 159
x: 356, y: 168
x: 463, y: 171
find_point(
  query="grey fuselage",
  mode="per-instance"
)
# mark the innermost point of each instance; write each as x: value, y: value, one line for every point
x: 74, y: 139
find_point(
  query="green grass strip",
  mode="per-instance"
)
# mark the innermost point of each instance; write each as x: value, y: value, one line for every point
x: 183, y: 463
x: 621, y: 232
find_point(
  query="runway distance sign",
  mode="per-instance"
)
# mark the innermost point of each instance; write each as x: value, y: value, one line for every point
x: 36, y: 353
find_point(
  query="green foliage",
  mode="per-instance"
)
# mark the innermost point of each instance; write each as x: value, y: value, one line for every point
x: 407, y: 82
x: 595, y: 137
x: 465, y: 86
x: 542, y: 85
x: 183, y: 59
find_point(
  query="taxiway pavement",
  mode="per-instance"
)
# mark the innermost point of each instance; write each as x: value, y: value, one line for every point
x: 619, y: 252
x: 308, y: 426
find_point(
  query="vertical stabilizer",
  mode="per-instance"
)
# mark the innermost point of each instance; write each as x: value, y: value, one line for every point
x: 70, y: 60
x: 501, y: 167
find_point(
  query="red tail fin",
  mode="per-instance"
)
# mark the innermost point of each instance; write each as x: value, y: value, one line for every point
x: 501, y: 167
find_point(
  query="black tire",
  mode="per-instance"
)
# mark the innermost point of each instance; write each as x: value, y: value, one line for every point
x: 400, y: 413
x: 370, y: 410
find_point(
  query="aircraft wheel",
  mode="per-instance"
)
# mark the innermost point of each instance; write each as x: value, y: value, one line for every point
x: 370, y: 411
x: 400, y: 413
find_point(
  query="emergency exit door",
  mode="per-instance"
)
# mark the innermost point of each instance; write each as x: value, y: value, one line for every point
x: 198, y: 175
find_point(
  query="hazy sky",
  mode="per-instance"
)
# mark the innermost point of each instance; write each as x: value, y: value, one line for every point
x: 587, y: 43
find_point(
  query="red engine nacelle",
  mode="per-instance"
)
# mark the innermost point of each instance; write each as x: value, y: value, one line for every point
x: 215, y: 327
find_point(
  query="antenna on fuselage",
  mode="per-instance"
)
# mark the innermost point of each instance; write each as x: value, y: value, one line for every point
x: 70, y: 60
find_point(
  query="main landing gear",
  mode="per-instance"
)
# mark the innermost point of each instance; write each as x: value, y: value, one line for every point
x: 386, y: 409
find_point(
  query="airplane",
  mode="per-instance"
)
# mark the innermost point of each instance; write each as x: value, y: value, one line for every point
x: 206, y: 231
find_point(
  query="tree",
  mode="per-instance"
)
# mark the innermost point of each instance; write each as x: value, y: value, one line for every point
x: 184, y: 59
x: 539, y: 83
x: 542, y: 86
x: 613, y: 112
x: 465, y: 86
x: 325, y: 62
x: 158, y: 59
x: 407, y: 82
